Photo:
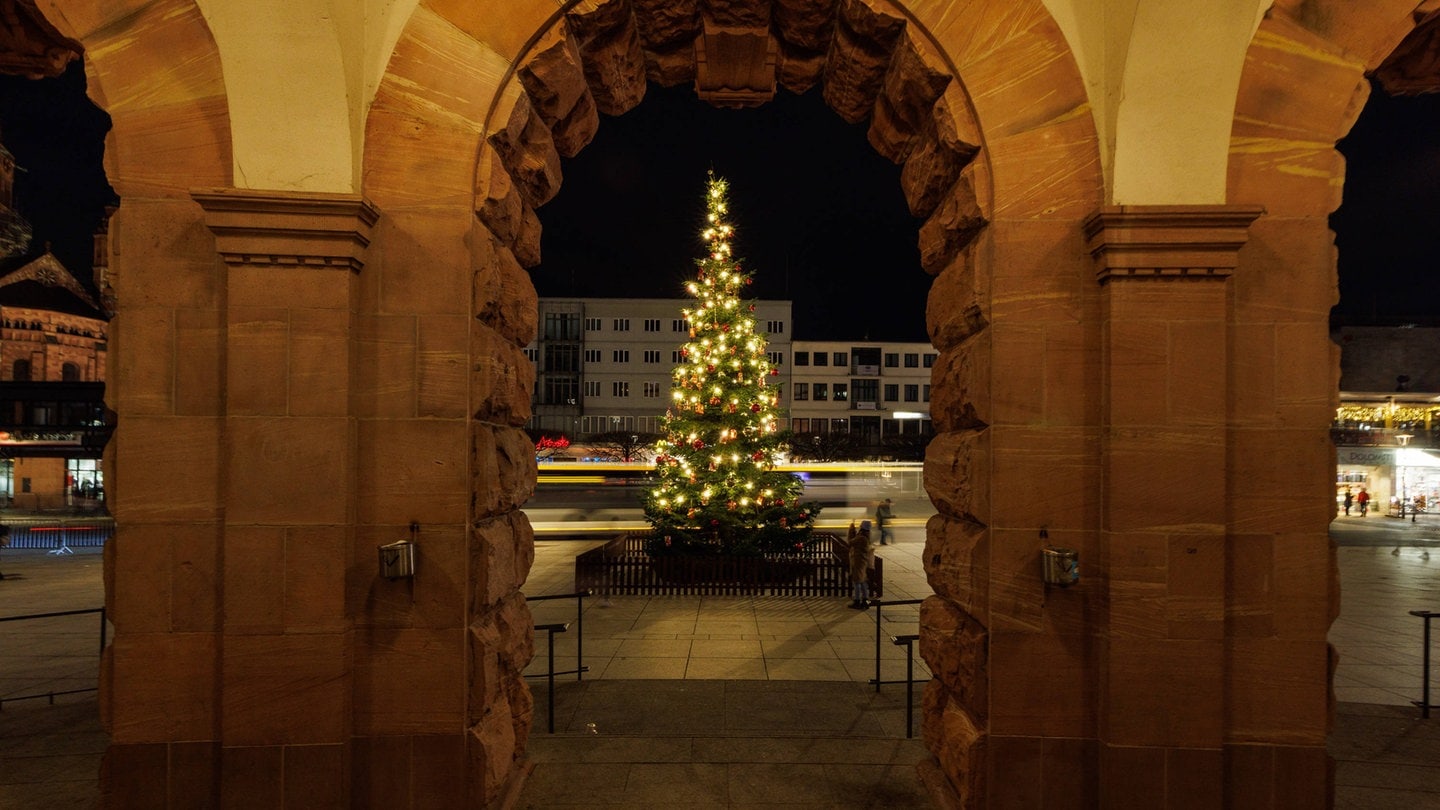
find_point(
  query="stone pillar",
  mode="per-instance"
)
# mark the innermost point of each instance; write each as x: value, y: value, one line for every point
x: 1161, y: 629
x: 285, y: 654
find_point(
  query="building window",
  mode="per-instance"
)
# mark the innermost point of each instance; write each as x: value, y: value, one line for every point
x: 652, y: 355
x: 822, y: 359
x: 912, y: 393
x: 912, y: 360
x: 562, y: 326
x: 892, y: 392
x: 652, y: 324
x: 592, y: 355
x: 532, y: 354
x: 675, y: 357
x: 70, y: 373
x: 926, y: 394
x: 802, y: 358
x: 822, y: 392
x: 592, y: 324
x: 775, y: 327
x: 560, y: 391
x: 892, y: 360
x: 21, y: 371
x: 622, y: 324
x: 841, y: 360
x: 929, y: 358
x: 802, y: 392
x: 620, y: 389
x: 592, y: 388
x: 620, y: 356
x: 776, y: 358
x: 842, y: 392
x: 652, y: 389
x: 679, y: 325
x: 562, y: 357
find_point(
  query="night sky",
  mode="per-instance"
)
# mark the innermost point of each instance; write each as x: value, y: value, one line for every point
x: 1388, y: 227
x: 819, y: 215
x: 58, y: 139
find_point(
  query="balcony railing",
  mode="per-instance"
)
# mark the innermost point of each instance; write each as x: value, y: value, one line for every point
x: 1365, y: 436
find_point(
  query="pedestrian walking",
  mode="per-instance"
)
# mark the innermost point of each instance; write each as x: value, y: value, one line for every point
x: 1364, y: 500
x: 883, y: 516
x: 1349, y: 499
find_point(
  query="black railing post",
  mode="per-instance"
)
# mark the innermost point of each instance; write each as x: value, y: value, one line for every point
x: 102, y: 631
x: 1424, y: 701
x: 878, y: 603
x: 909, y: 642
x: 551, y: 630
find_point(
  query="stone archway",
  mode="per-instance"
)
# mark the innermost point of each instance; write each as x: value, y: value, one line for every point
x: 423, y: 370
x: 875, y: 62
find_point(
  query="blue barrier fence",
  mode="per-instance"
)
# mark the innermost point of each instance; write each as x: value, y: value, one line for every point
x: 55, y: 534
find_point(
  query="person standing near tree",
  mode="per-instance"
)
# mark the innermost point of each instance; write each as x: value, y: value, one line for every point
x: 860, y: 564
x: 883, y: 516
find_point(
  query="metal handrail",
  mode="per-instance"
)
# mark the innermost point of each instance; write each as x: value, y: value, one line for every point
x: 909, y: 642
x: 878, y: 604
x: 52, y: 695
x: 550, y: 673
x: 579, y: 597
x: 1424, y: 701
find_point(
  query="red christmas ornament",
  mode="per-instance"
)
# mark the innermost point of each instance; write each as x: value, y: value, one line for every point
x: 780, y: 502
x: 714, y: 521
x: 758, y: 455
x: 714, y: 400
x: 774, y: 372
x: 724, y: 327
x: 755, y: 408
x: 782, y: 521
x: 752, y: 307
x: 710, y: 368
x: 697, y: 444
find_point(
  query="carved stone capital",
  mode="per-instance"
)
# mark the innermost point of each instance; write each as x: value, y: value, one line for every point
x: 1168, y: 241
x: 278, y: 228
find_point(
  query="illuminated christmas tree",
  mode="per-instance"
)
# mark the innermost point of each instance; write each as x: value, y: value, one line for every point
x: 716, y: 488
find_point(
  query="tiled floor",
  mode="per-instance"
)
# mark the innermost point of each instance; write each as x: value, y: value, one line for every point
x: 715, y: 652
x: 748, y: 638
x: 1388, y: 567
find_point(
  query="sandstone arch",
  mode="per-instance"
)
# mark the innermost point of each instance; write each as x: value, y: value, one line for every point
x: 194, y: 622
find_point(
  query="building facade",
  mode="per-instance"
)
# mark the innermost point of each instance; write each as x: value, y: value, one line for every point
x: 604, y: 365
x: 52, y: 337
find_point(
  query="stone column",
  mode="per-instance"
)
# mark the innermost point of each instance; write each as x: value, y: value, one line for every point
x: 288, y: 468
x: 1161, y: 629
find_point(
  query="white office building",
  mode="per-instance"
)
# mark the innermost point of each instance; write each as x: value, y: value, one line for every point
x: 604, y: 365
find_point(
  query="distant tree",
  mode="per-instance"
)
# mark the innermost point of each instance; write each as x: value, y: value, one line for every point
x: 907, y: 447
x: 832, y: 446
x: 623, y: 445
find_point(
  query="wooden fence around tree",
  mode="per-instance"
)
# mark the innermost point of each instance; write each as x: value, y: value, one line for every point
x: 623, y: 567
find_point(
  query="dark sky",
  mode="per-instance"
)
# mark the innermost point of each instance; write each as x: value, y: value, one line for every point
x: 1388, y: 227
x: 58, y: 139
x: 819, y: 215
